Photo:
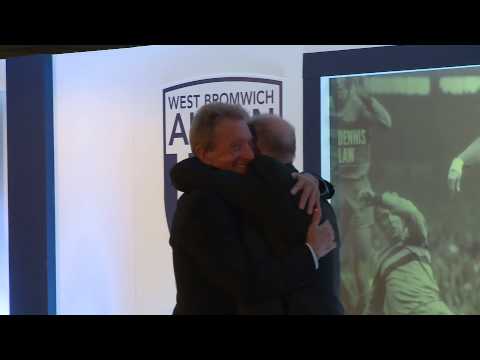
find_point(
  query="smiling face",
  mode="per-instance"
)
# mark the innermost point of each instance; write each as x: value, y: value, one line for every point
x: 231, y: 147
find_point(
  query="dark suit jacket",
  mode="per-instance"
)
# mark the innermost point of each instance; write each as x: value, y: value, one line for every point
x: 214, y: 272
x: 272, y: 224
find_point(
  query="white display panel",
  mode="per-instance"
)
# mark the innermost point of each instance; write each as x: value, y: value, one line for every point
x: 112, y: 249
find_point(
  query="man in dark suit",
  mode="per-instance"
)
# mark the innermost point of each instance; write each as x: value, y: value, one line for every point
x: 221, y: 264
x: 264, y: 194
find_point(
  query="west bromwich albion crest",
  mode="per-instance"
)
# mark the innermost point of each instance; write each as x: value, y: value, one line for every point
x: 181, y: 102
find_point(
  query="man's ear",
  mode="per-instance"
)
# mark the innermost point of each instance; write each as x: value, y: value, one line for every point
x: 202, y: 154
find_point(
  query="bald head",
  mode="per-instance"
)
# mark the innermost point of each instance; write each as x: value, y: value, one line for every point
x: 274, y: 137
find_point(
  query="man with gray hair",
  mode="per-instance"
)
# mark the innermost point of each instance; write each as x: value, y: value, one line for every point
x: 222, y: 265
x: 264, y: 195
x: 274, y: 137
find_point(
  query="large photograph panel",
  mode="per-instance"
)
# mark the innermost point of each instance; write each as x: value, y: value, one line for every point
x: 404, y: 158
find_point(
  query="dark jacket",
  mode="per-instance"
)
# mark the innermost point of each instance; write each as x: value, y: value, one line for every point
x: 214, y: 272
x: 272, y: 218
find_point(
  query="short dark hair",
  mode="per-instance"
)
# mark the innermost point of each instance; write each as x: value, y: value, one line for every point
x: 207, y: 118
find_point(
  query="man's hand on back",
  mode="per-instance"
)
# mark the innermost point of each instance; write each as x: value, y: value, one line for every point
x: 309, y: 187
x: 321, y: 238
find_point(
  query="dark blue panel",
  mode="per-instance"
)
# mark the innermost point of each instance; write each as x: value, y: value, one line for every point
x: 388, y: 58
x: 311, y: 125
x: 31, y: 185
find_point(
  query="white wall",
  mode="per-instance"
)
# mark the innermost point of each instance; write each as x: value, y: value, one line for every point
x: 4, y: 281
x: 113, y: 255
